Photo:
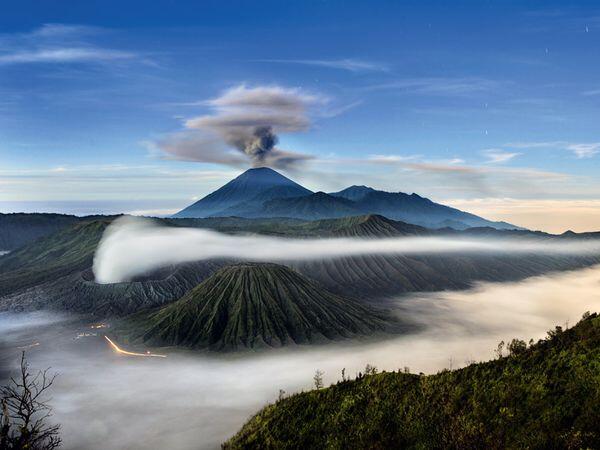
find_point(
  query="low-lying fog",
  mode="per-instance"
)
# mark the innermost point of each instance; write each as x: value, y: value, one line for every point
x: 194, y: 401
x: 133, y: 246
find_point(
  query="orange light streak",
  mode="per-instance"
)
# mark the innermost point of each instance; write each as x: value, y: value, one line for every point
x: 119, y: 350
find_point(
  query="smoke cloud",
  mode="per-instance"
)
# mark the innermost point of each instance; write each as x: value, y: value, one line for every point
x: 245, y: 120
x: 134, y: 246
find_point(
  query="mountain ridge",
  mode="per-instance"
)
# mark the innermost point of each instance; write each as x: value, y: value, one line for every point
x: 264, y: 193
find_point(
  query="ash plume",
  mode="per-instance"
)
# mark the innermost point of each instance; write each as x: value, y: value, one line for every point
x: 262, y: 142
x: 244, y: 127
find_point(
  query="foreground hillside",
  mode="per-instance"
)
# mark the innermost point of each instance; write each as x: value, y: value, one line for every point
x: 541, y: 397
x: 255, y: 305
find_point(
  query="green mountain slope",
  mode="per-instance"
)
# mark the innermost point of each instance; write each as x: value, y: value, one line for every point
x: 51, y: 257
x: 255, y: 305
x: 546, y: 396
x: 18, y: 229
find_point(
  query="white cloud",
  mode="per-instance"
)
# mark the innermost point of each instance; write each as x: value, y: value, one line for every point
x: 591, y: 92
x: 56, y: 43
x: 390, y: 158
x: 439, y: 86
x: 579, y: 149
x: 63, y: 55
x: 498, y: 156
x: 584, y: 150
x: 349, y: 64
x: 134, y: 246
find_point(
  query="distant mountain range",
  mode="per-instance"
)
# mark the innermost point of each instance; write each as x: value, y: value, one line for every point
x: 264, y: 193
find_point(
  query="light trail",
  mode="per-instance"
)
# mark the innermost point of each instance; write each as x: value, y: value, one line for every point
x: 29, y: 346
x: 119, y: 350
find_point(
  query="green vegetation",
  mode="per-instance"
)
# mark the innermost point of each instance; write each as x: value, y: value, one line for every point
x: 51, y: 257
x: 542, y: 396
x: 18, y: 229
x: 255, y: 305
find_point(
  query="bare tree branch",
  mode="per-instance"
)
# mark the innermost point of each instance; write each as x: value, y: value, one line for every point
x: 25, y: 412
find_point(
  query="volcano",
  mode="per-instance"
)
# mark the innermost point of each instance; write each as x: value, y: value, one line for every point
x: 250, y: 189
x: 258, y: 305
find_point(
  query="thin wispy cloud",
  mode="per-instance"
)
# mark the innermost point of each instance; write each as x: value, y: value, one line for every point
x: 348, y: 64
x: 385, y: 159
x: 581, y: 150
x: 439, y: 86
x: 591, y: 92
x: 498, y: 156
x: 584, y: 150
x: 57, y: 43
x: 441, y: 178
x: 64, y: 55
x: 329, y: 113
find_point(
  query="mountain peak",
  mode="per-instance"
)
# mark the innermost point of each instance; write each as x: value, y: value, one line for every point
x: 263, y: 175
x: 354, y: 192
x: 259, y: 183
x: 220, y: 312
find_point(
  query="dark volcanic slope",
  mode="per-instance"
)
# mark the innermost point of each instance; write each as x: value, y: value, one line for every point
x: 311, y: 207
x: 546, y: 396
x: 413, y: 208
x: 250, y: 188
x: 19, y: 229
x: 375, y: 276
x: 79, y: 293
x: 250, y: 305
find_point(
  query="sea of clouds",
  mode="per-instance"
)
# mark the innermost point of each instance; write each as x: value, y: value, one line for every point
x: 196, y: 400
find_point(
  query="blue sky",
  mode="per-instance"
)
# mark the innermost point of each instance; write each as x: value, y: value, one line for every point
x: 489, y: 106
